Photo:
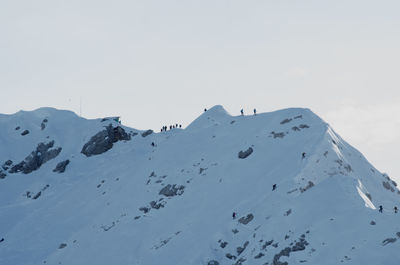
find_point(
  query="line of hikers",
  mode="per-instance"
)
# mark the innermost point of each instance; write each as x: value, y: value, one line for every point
x: 165, y: 128
x: 241, y: 111
x: 394, y: 208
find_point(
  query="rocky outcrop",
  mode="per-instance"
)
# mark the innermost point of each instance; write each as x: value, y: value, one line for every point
x: 244, y: 154
x: 172, y: 190
x: 25, y: 132
x: 245, y: 220
x: 147, y: 133
x: 60, y: 168
x: 104, y: 140
x: 213, y: 262
x: 41, y: 155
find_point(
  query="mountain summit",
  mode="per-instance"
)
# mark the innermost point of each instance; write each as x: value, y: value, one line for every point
x: 277, y: 188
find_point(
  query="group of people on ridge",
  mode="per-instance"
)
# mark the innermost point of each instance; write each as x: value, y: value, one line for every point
x: 165, y: 128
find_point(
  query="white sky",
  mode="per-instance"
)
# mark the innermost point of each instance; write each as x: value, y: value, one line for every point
x: 162, y: 62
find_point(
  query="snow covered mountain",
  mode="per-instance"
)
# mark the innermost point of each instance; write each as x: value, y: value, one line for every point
x: 77, y: 191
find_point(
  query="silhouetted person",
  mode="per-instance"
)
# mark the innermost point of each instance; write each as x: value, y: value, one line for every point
x: 180, y: 125
x: 205, y: 110
x: 152, y: 144
x: 2, y: 239
x: 380, y: 208
x: 170, y: 127
x: 395, y: 209
x: 241, y: 112
x: 255, y: 112
x: 303, y: 155
x: 274, y: 187
x: 233, y: 215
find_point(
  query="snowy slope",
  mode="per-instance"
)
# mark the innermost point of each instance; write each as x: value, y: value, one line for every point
x: 172, y: 203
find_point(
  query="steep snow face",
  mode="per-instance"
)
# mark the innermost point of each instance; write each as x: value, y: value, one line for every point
x: 299, y: 192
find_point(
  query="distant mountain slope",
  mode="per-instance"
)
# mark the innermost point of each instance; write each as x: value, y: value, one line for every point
x: 77, y: 191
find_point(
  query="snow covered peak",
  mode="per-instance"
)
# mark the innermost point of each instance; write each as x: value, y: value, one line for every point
x: 76, y: 191
x: 215, y: 115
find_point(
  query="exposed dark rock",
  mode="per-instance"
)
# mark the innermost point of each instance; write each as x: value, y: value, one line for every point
x: 103, y: 140
x: 42, y: 126
x: 286, y: 121
x: 230, y: 256
x: 372, y: 223
x: 37, y: 195
x: 136, y: 217
x: 17, y: 128
x: 8, y: 163
x: 144, y: 209
x: 288, y: 212
x: 235, y: 231
x: 300, y: 246
x: 247, y: 219
x: 156, y: 205
x: 388, y: 240
x: 310, y: 184
x: 295, y: 128
x: 244, y: 154
x: 304, y: 126
x: 284, y: 252
x: 267, y: 243
x: 259, y: 255
x: 147, y: 133
x: 223, y: 244
x: 398, y: 234
x: 240, y: 249
x: 278, y: 135
x: 386, y: 185
x: 368, y: 196
x: 41, y: 155
x: 60, y: 168
x: 62, y: 245
x: 298, y: 117
x: 213, y: 262
x: 201, y: 170
x: 25, y: 132
x: 240, y: 261
x: 172, y: 190
x: 2, y: 174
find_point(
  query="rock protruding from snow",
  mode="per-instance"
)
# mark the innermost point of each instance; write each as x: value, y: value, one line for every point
x: 147, y: 133
x: 103, y: 140
x: 60, y: 168
x: 172, y: 190
x: 244, y: 154
x: 245, y: 220
x: 41, y: 155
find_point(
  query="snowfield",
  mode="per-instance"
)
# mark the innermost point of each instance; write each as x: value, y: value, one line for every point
x: 78, y: 192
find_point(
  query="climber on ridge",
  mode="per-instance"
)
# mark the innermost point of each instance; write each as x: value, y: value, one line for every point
x: 233, y: 215
x: 273, y: 187
x: 241, y: 111
x: 303, y: 155
x: 395, y: 209
x: 380, y: 208
x: 255, y: 112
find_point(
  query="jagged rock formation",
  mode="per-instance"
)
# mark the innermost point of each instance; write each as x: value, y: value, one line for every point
x: 103, y: 140
x: 60, y: 168
x: 41, y: 155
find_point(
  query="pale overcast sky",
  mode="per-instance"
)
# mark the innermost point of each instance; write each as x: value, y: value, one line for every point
x: 163, y: 62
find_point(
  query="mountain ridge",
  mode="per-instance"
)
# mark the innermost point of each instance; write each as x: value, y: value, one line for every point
x: 172, y: 203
